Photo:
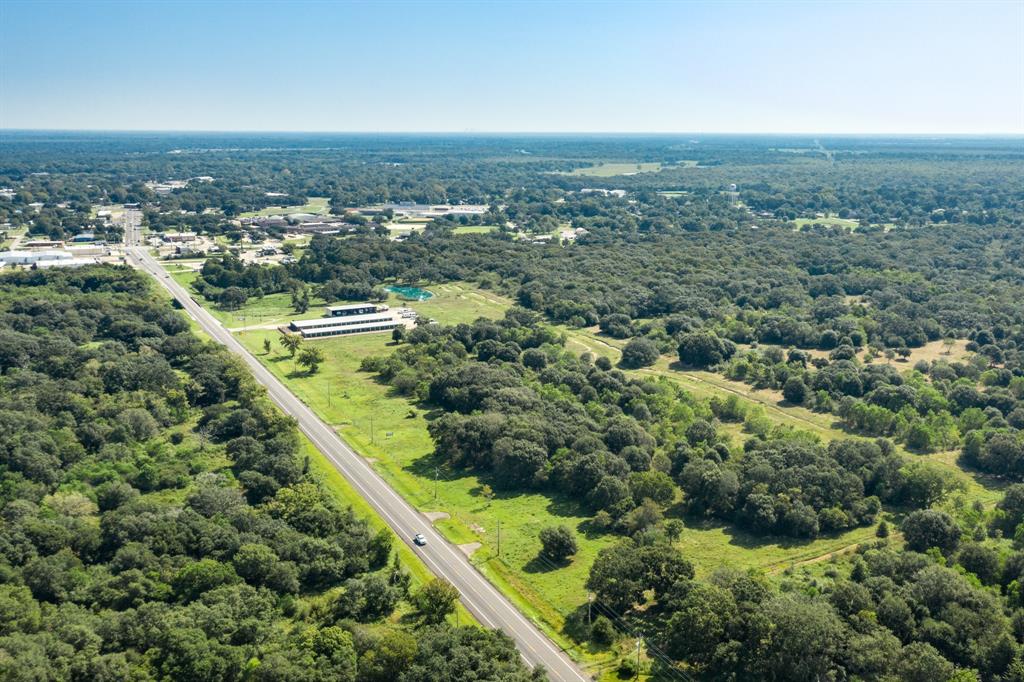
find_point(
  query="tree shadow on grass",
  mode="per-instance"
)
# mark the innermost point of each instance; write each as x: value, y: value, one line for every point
x: 677, y: 366
x: 432, y: 464
x: 560, y: 504
x: 740, y: 537
x: 410, y: 619
x: 591, y: 530
x: 539, y: 564
x: 432, y: 412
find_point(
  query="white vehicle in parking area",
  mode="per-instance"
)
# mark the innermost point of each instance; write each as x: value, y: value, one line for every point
x: 419, y: 539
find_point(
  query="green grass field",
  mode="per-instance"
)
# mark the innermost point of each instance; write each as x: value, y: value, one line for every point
x: 272, y: 309
x: 609, y: 170
x: 115, y: 210
x: 474, y: 229
x: 11, y: 235
x: 317, y: 205
x: 831, y: 221
x: 707, y: 385
x: 451, y: 304
x: 392, y: 433
x: 606, y: 169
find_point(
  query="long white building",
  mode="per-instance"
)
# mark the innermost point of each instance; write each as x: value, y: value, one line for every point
x: 357, y: 318
x: 65, y: 263
x: 31, y: 257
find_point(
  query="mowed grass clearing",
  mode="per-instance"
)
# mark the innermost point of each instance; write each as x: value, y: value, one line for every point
x: 608, y: 170
x: 451, y: 304
x: 116, y: 210
x: 10, y: 235
x: 316, y: 205
x: 270, y: 310
x: 929, y: 352
x: 474, y: 229
x: 830, y: 221
x: 392, y: 433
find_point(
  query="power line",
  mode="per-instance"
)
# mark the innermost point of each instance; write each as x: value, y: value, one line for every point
x: 652, y: 648
x: 624, y: 625
x: 670, y: 666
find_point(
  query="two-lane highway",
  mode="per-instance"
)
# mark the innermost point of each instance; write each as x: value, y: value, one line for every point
x: 488, y: 605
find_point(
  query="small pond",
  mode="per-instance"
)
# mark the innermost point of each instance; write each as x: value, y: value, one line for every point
x: 410, y: 293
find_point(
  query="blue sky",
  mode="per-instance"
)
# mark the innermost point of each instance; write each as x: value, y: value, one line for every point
x: 858, y: 67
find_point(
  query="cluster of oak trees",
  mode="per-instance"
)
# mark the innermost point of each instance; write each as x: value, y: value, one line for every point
x: 519, y: 407
x: 226, y: 280
x: 933, y: 405
x: 160, y: 522
x: 947, y: 606
x: 526, y: 414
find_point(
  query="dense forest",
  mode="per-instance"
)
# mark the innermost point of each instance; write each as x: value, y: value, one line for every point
x: 532, y: 415
x: 804, y: 313
x: 527, y: 414
x: 893, y: 614
x: 159, y: 522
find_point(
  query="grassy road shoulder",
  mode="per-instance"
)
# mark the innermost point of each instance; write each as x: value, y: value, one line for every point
x: 391, y: 432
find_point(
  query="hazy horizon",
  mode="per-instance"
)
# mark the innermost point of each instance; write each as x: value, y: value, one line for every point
x: 526, y: 133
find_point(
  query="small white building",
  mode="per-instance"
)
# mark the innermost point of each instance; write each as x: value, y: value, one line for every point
x: 179, y: 237
x: 42, y: 244
x: 356, y: 309
x: 93, y: 249
x: 604, y: 192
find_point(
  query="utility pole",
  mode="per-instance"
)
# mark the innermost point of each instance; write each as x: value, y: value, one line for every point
x: 638, y: 641
x: 435, y: 484
x: 499, y: 538
x: 590, y: 603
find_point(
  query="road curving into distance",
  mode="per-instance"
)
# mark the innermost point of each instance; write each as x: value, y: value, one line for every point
x: 481, y: 598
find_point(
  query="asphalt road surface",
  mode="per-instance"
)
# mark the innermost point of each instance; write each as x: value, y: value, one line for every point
x: 488, y: 605
x: 131, y: 223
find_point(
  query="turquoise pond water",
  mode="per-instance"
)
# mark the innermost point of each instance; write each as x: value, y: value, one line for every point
x: 410, y: 293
